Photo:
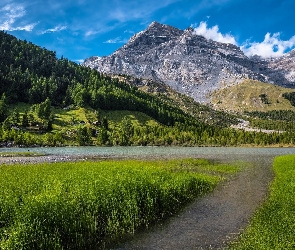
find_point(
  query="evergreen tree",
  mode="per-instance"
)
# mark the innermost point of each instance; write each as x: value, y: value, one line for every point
x: 25, y: 120
x: 83, y: 136
x: 3, y: 108
x: 102, y: 136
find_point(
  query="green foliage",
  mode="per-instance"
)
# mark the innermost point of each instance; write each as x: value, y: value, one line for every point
x: 102, y: 137
x: 76, y: 127
x: 25, y: 120
x: 264, y: 99
x: 282, y: 120
x: 3, y: 108
x: 283, y: 115
x: 90, y: 205
x: 273, y: 225
x: 83, y: 136
x: 291, y: 97
x: 43, y: 110
x: 126, y: 131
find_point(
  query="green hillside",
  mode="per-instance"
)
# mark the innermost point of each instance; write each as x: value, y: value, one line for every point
x: 252, y: 96
x: 31, y: 74
x: 170, y: 96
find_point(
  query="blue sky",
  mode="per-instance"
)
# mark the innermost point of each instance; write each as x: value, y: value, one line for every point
x: 78, y: 29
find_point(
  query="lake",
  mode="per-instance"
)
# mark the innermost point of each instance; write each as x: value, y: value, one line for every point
x: 158, y: 152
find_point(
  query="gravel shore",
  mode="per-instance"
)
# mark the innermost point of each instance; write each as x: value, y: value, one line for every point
x: 40, y: 159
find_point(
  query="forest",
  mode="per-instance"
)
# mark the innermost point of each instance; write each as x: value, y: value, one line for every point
x: 280, y: 120
x: 34, y: 78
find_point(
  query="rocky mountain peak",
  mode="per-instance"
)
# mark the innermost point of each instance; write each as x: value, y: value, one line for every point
x: 154, y: 35
x: 155, y: 25
x: 187, y: 62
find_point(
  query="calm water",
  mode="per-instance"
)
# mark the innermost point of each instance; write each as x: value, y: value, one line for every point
x: 158, y: 152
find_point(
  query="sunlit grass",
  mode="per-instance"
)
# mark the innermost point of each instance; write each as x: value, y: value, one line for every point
x: 88, y: 205
x: 245, y: 96
x: 273, y: 226
x: 137, y: 118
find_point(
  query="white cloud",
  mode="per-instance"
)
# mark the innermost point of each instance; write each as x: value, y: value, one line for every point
x: 129, y: 32
x: 214, y: 34
x: 99, y: 30
x: 28, y: 27
x: 79, y: 61
x: 55, y: 29
x: 91, y: 32
x: 272, y: 46
x: 10, y: 14
x: 116, y: 40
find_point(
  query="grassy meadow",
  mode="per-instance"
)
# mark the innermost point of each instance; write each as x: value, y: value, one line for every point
x: 91, y: 205
x: 246, y: 97
x: 273, y: 226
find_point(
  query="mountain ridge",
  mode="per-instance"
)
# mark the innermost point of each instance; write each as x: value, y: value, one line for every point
x: 190, y: 63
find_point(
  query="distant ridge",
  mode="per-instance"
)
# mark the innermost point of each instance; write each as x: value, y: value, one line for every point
x: 191, y: 64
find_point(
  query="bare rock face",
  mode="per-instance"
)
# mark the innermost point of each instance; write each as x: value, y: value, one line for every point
x: 282, y: 70
x: 189, y: 63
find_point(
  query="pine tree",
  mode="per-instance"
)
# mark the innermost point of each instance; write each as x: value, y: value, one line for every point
x: 3, y: 108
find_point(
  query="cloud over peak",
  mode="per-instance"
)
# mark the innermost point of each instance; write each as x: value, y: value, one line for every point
x: 271, y: 46
x: 213, y: 33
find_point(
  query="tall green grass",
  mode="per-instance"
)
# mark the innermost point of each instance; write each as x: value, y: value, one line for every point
x: 89, y: 205
x: 273, y: 226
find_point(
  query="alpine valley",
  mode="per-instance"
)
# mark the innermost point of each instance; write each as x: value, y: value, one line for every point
x: 166, y: 86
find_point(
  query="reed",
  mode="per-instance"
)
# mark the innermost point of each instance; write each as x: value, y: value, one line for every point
x: 90, y: 205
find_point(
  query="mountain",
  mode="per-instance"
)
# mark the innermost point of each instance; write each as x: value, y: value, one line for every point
x: 189, y: 63
x: 282, y: 69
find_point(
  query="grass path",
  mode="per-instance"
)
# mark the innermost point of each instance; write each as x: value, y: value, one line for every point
x: 273, y: 226
x: 213, y: 221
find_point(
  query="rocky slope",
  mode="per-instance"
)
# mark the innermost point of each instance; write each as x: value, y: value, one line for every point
x: 189, y: 63
x: 282, y: 70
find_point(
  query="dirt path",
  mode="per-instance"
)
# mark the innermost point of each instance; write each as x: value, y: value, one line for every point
x: 211, y: 222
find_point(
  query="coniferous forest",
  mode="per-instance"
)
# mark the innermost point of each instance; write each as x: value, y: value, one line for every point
x: 43, y: 99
